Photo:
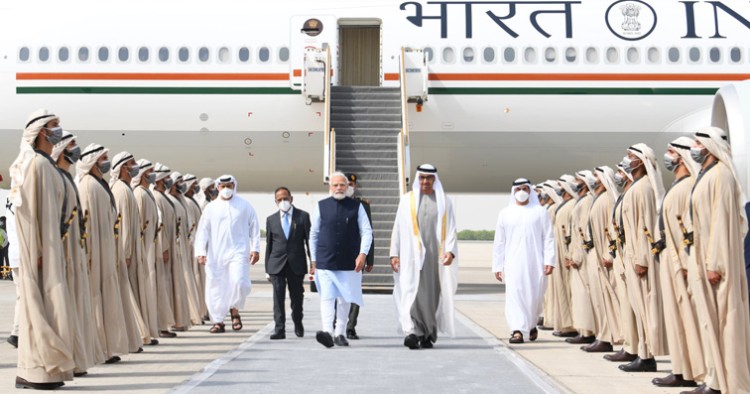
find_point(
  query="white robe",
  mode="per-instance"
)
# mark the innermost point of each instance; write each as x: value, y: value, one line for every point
x: 227, y: 233
x: 407, y: 247
x: 524, y: 244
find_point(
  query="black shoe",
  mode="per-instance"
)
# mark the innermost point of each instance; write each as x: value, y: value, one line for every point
x: 581, y: 339
x: 673, y: 380
x: 412, y: 342
x: 22, y: 383
x: 425, y: 343
x: 352, y: 334
x: 153, y: 342
x: 324, y: 339
x: 140, y: 350
x: 639, y: 365
x: 278, y: 335
x: 114, y: 359
x: 167, y: 334
x: 620, y: 356
x: 340, y: 341
x: 569, y: 334
x: 13, y: 341
x: 299, y: 330
x: 80, y: 374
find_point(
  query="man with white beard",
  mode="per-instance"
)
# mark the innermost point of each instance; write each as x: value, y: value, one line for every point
x: 228, y: 238
x: 523, y: 256
x: 340, y: 238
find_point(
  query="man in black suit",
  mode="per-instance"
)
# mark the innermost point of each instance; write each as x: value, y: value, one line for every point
x: 351, y: 331
x: 287, y: 251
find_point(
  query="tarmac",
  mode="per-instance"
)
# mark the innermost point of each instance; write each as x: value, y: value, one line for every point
x: 478, y: 359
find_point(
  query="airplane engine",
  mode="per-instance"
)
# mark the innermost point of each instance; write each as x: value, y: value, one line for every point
x: 731, y: 112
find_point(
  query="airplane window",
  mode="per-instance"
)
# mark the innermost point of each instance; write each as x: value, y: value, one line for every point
x: 715, y: 55
x: 674, y: 55
x: 63, y: 54
x: 633, y: 55
x: 488, y: 54
x: 143, y: 54
x: 571, y: 54
x: 224, y: 55
x: 654, y: 56
x: 24, y: 54
x: 283, y: 54
x: 550, y: 55
x: 183, y: 54
x: 43, y: 54
x: 123, y: 54
x: 735, y: 54
x: 469, y: 55
x: 529, y: 55
x: 203, y: 54
x: 264, y: 55
x: 592, y: 55
x: 103, y: 54
x: 613, y: 56
x: 429, y: 54
x: 509, y: 55
x: 244, y: 55
x: 694, y: 54
x: 448, y: 55
x: 83, y: 54
x: 163, y: 54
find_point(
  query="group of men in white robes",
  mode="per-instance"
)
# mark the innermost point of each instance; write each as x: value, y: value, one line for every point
x: 658, y: 272
x: 101, y: 268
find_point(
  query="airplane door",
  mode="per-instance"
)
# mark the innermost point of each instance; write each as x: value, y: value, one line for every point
x: 311, y: 32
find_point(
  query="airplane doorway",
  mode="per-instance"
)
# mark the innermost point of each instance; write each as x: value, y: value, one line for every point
x: 359, y: 56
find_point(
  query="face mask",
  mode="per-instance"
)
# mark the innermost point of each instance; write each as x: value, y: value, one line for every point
x: 213, y: 193
x: 349, y: 191
x: 670, y: 162
x: 592, y: 184
x: 226, y: 193
x: 151, y: 178
x: 133, y: 172
x: 181, y: 188
x: 578, y: 187
x: 196, y: 189
x: 72, y: 155
x: 559, y: 192
x: 698, y: 155
x: 619, y: 179
x: 105, y: 166
x: 521, y: 196
x: 285, y: 205
x: 54, y: 135
x: 168, y: 183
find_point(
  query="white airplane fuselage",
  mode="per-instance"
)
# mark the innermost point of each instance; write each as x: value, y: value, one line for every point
x: 516, y: 88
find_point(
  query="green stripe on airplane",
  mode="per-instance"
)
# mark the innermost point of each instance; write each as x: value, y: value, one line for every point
x: 150, y: 90
x: 577, y: 91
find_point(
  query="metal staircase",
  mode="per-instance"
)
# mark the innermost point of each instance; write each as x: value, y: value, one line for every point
x: 367, y: 122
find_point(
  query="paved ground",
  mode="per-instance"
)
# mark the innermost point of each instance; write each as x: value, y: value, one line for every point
x: 479, y: 359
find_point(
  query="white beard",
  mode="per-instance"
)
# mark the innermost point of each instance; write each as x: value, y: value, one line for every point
x: 339, y: 196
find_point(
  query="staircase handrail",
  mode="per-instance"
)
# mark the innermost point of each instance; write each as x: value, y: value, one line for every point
x: 329, y: 135
x: 403, y: 136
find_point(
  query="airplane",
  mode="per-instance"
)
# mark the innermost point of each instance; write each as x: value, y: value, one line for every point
x: 487, y: 91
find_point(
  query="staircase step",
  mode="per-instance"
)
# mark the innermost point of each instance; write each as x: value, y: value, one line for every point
x: 377, y: 95
x: 378, y: 192
x: 360, y: 102
x: 365, y: 154
x: 367, y: 132
x: 366, y: 124
x: 338, y: 117
x: 364, y: 89
x: 363, y: 140
x: 342, y: 108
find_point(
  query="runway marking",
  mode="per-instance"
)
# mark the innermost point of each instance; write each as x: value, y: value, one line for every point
x: 536, y: 375
x: 210, y: 369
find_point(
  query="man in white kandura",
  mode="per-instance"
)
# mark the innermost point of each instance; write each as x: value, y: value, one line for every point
x: 524, y: 255
x: 340, y: 238
x: 423, y: 251
x: 228, y: 237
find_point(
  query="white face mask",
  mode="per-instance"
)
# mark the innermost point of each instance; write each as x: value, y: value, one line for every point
x: 521, y: 196
x: 349, y: 191
x: 226, y: 193
x: 285, y: 205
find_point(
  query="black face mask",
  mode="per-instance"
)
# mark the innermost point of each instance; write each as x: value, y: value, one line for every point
x: 213, y: 193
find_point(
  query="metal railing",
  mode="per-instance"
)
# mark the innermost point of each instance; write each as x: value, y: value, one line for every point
x: 329, y: 140
x: 403, y: 135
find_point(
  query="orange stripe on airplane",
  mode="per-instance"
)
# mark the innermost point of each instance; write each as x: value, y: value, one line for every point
x: 584, y: 77
x: 391, y: 76
x: 297, y: 72
x: 155, y: 76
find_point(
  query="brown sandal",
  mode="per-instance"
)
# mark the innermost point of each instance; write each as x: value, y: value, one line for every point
x: 217, y: 328
x: 236, y: 322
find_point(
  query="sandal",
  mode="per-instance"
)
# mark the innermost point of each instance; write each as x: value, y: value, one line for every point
x: 236, y: 322
x: 533, y: 334
x: 217, y: 328
x: 517, y: 337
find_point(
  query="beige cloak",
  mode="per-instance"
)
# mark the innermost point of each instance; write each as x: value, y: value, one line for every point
x: 559, y: 284
x: 165, y: 241
x: 148, y: 292
x: 183, y: 267
x: 582, y: 308
x: 628, y: 324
